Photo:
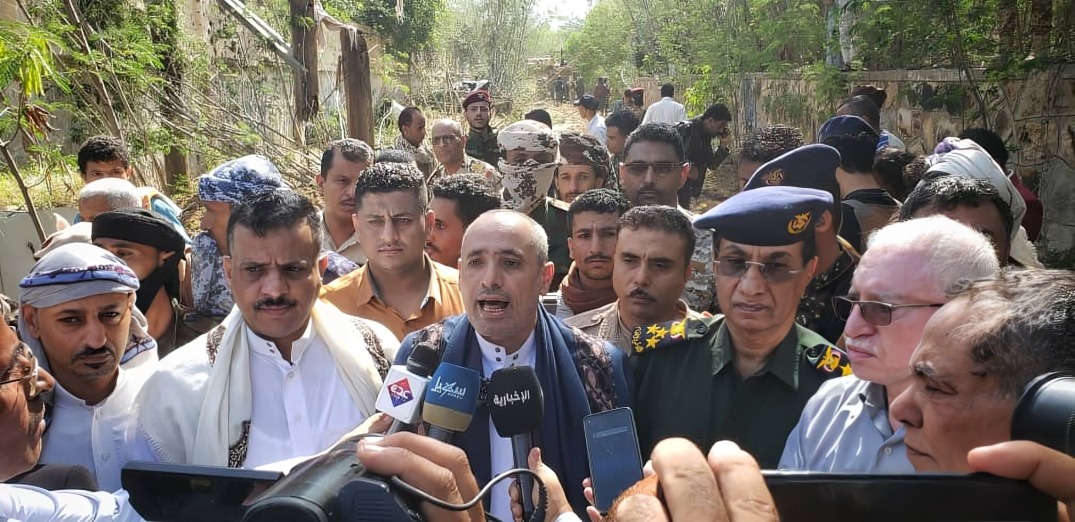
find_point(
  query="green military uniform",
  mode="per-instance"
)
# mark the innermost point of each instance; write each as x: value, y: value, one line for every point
x: 688, y: 386
x: 815, y: 308
x: 553, y: 218
x: 481, y: 144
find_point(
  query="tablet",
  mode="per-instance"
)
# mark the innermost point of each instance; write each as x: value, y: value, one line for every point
x: 160, y: 491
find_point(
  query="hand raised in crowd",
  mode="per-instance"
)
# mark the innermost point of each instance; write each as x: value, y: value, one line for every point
x: 1046, y: 469
x: 727, y: 485
x: 432, y: 466
x: 557, y: 500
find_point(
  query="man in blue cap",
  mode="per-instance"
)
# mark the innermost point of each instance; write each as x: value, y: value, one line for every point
x: 745, y: 375
x: 866, y: 206
x: 814, y: 167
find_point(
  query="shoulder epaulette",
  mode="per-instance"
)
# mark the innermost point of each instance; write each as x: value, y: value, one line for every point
x: 828, y: 360
x: 658, y: 336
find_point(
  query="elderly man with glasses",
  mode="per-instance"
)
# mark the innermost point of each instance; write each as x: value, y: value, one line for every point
x: 449, y: 147
x: 746, y: 375
x: 907, y: 274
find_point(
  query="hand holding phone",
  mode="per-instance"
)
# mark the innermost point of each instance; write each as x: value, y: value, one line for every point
x: 612, y: 448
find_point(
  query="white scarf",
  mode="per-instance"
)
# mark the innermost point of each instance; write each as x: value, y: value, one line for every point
x: 194, y: 411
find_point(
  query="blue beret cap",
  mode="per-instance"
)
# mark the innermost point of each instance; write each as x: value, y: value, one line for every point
x: 810, y: 166
x: 768, y: 216
x: 843, y: 126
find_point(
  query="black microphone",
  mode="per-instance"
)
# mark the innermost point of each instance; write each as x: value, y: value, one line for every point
x: 517, y: 407
x: 404, y: 387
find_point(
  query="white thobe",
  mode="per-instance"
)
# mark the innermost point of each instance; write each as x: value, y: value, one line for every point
x: 501, y: 458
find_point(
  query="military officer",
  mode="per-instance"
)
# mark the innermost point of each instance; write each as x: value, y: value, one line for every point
x: 481, y: 139
x: 650, y: 269
x: 529, y: 156
x: 814, y: 167
x: 746, y: 375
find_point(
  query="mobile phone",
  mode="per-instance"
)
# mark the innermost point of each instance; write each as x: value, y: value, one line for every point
x: 160, y: 491
x: 835, y: 497
x: 612, y: 449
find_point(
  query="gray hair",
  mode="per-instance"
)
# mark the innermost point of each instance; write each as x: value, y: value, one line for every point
x: 953, y: 252
x: 1020, y: 324
x: 119, y: 193
x: 538, y: 240
x: 454, y: 125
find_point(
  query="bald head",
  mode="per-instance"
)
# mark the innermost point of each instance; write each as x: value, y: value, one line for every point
x: 526, y: 233
x: 504, y: 271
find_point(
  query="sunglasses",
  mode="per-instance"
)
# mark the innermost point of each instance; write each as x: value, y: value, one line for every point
x: 662, y: 169
x: 873, y: 312
x: 772, y: 272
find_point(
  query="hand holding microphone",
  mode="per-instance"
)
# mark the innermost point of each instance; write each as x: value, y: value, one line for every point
x: 517, y: 408
x: 404, y: 387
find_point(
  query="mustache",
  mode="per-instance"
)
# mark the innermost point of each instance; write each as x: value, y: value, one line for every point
x: 274, y: 302
x: 92, y: 352
x: 638, y: 292
x: 596, y: 257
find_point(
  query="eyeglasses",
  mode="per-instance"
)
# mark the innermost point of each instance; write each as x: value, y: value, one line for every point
x: 661, y: 169
x: 873, y: 312
x: 450, y: 138
x: 772, y: 272
x: 28, y: 373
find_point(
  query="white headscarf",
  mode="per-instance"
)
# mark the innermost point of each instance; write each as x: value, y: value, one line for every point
x: 76, y: 271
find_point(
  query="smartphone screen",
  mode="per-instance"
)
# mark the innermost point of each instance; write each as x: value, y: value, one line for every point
x: 612, y: 448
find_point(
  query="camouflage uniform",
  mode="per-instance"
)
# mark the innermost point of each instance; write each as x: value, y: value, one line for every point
x: 815, y: 307
x: 470, y: 166
x: 483, y: 145
x: 604, y: 323
x: 701, y: 291
x: 423, y: 155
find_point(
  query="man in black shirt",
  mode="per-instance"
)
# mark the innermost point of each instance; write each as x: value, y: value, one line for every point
x: 697, y: 135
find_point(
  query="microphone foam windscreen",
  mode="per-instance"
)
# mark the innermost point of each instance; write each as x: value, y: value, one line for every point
x: 515, y: 401
x: 451, y: 397
x: 424, y: 358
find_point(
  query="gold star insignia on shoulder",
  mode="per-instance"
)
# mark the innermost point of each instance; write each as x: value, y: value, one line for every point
x: 656, y: 336
x: 832, y: 361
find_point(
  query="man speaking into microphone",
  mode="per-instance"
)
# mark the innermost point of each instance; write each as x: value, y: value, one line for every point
x: 504, y: 269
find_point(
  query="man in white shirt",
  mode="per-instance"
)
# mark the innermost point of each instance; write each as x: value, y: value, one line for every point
x: 341, y: 163
x: 504, y: 269
x: 284, y: 375
x: 667, y: 110
x: 847, y: 426
x: 78, y: 317
x: 595, y: 123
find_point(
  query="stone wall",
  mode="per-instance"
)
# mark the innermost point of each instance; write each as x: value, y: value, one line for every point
x: 1035, y: 115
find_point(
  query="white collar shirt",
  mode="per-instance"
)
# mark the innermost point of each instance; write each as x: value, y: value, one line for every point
x: 96, y: 437
x: 495, y: 357
x: 299, y: 408
x: 596, y: 128
x: 350, y: 248
x: 666, y: 110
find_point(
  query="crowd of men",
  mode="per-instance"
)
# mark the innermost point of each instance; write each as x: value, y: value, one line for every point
x: 818, y: 319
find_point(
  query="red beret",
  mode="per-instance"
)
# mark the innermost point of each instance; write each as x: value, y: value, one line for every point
x: 477, y: 96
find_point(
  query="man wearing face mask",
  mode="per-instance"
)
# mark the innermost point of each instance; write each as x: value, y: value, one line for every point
x: 529, y: 155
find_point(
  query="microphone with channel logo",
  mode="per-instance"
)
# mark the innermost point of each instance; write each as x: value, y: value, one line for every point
x: 404, y: 387
x: 451, y: 399
x: 517, y: 407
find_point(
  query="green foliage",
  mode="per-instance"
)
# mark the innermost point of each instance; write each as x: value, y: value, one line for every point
x: 26, y: 58
x: 407, y: 35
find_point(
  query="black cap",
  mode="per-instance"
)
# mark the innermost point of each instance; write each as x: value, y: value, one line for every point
x: 515, y: 401
x: 767, y: 216
x: 810, y: 166
x: 587, y: 101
